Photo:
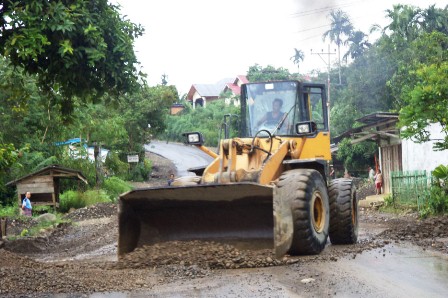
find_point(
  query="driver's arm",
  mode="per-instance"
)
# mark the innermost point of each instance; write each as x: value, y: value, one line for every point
x: 262, y: 120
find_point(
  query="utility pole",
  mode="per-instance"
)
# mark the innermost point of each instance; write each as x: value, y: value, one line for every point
x: 321, y: 54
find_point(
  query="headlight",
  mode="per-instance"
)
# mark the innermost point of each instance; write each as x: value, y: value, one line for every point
x: 306, y: 128
x: 303, y: 128
x: 193, y: 138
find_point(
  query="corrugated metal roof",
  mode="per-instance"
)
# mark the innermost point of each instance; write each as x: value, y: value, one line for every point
x: 209, y: 90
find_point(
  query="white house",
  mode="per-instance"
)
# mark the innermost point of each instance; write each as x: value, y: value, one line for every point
x: 422, y: 156
x: 203, y: 93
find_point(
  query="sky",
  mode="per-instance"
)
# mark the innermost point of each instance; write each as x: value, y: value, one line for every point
x: 204, y: 41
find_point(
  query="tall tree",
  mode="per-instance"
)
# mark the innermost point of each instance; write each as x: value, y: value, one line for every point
x: 405, y: 23
x: 435, y: 19
x: 358, y: 44
x: 298, y: 57
x: 77, y: 48
x: 340, y: 26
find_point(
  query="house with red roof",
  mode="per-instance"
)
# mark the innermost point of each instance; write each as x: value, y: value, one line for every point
x: 200, y: 94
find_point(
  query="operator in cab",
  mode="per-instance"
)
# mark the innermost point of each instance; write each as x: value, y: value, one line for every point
x: 273, y: 118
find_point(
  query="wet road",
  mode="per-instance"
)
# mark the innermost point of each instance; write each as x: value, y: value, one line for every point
x: 183, y: 156
x: 396, y: 270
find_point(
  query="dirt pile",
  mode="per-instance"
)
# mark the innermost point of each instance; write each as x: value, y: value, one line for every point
x: 21, y: 276
x: 99, y: 210
x: 365, y: 189
x: 428, y: 233
x: 204, y: 254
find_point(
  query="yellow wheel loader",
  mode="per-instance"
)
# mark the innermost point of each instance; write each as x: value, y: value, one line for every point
x: 269, y: 185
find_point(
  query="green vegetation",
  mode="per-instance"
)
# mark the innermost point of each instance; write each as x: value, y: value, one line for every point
x: 258, y: 73
x: 404, y: 71
x: 205, y: 120
x: 100, y: 96
x: 9, y: 211
x: 356, y: 157
x: 89, y: 40
x: 75, y: 199
x: 114, y: 186
x: 438, y: 199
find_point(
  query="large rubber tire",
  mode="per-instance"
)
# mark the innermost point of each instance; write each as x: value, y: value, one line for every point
x: 344, y: 212
x: 307, y: 193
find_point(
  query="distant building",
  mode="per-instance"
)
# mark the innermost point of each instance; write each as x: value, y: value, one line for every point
x: 200, y: 94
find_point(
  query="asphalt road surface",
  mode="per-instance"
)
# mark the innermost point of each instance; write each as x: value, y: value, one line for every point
x: 183, y: 156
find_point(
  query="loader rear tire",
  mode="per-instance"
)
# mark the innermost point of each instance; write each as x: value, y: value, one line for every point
x: 308, y: 197
x: 343, y: 212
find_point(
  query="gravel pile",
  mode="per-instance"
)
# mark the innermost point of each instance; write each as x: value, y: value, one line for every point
x: 204, y: 254
x: 430, y: 232
x: 23, y: 277
x: 364, y: 190
x: 94, y: 211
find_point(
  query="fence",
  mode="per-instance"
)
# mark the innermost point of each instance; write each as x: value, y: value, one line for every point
x: 411, y: 188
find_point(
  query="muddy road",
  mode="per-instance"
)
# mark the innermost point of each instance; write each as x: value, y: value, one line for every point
x: 396, y: 256
x: 80, y: 260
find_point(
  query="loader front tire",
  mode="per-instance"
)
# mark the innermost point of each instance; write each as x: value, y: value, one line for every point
x: 343, y: 212
x: 307, y: 194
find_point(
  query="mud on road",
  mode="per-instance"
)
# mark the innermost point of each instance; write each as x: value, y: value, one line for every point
x: 80, y: 258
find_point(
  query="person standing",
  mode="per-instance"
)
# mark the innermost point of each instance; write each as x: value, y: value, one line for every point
x: 26, y: 204
x: 378, y: 182
x: 171, y: 180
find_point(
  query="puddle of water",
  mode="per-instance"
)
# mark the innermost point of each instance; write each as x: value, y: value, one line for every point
x: 403, y: 271
x: 104, y: 253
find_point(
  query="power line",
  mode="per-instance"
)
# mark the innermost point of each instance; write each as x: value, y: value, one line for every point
x: 322, y: 26
x: 324, y: 9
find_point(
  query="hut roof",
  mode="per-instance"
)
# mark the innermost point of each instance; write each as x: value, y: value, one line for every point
x: 53, y: 170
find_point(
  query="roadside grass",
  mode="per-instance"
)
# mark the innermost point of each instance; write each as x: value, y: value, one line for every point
x: 47, y: 225
x: 9, y: 211
x: 75, y: 199
x: 115, y: 186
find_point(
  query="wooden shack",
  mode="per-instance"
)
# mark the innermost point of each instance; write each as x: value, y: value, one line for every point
x: 44, y: 184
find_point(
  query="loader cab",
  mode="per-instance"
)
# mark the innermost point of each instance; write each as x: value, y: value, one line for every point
x: 280, y: 107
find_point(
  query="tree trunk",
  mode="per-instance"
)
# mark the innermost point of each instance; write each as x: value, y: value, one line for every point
x: 339, y: 62
x: 98, y: 165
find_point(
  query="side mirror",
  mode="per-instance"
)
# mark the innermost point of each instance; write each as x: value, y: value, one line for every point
x: 194, y: 138
x: 306, y: 128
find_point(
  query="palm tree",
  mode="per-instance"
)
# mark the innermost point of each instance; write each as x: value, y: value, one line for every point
x: 435, y: 19
x: 405, y: 21
x: 298, y: 57
x: 358, y: 44
x: 340, y: 26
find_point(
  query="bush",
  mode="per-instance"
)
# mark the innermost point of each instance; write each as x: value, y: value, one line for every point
x: 9, y: 211
x: 42, y: 209
x: 115, y: 166
x: 438, y: 200
x: 114, y: 186
x: 74, y: 199
x: 140, y: 171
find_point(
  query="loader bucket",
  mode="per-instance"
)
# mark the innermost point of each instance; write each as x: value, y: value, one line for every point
x: 218, y: 212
